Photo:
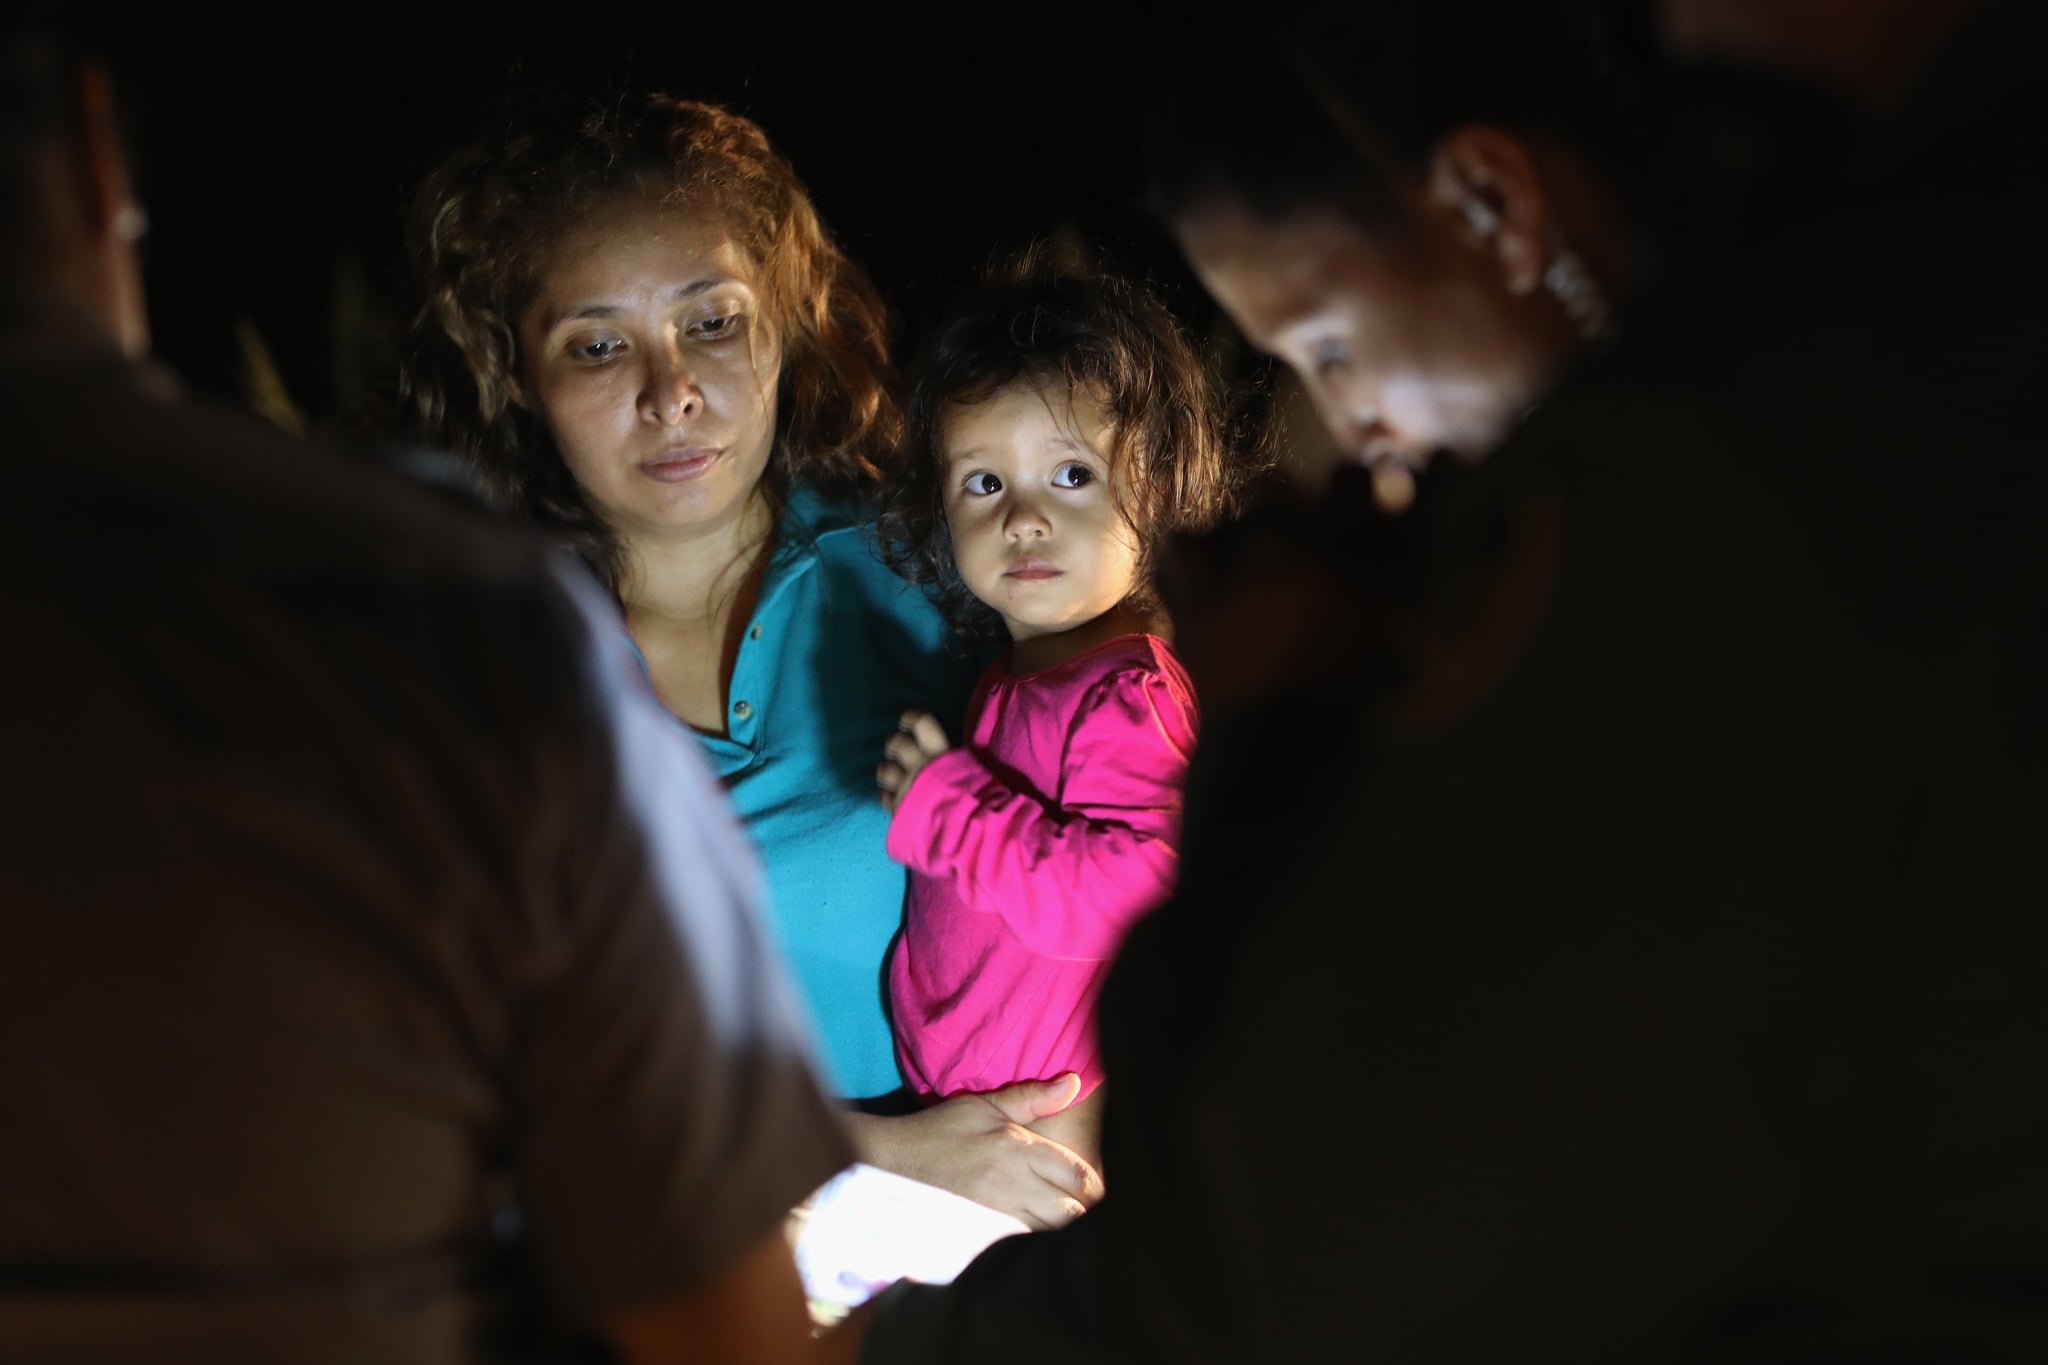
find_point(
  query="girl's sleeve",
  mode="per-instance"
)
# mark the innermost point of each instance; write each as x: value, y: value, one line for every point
x: 1070, y: 879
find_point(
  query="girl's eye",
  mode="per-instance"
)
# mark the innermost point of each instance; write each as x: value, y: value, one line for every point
x: 1072, y: 476
x: 983, y: 484
x: 716, y: 329
x: 599, y: 351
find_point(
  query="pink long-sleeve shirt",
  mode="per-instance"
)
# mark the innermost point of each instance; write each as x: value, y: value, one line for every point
x: 1032, y: 848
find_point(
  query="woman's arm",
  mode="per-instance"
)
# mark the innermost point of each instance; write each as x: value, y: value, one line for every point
x: 1068, y: 880
x: 979, y: 1146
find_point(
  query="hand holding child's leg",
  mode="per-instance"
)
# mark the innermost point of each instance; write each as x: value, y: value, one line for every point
x: 1078, y: 1127
x: 981, y: 1146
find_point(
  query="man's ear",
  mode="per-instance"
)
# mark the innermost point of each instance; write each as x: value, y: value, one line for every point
x: 111, y: 218
x: 1485, y: 183
x: 112, y: 213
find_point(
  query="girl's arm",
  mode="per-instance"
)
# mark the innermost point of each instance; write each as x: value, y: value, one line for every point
x: 1068, y: 879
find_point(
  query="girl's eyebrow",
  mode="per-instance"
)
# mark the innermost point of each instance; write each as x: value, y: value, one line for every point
x: 1062, y: 441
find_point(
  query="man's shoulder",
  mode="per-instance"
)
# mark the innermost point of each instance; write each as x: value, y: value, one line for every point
x: 129, y: 509
x: 192, y: 480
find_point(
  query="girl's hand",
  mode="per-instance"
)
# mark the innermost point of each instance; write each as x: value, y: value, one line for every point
x: 919, y: 739
x: 978, y: 1146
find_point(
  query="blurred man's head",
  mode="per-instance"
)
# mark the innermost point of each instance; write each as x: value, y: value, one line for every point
x: 69, y: 219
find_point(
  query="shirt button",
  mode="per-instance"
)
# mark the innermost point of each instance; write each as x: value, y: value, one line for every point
x: 742, y: 710
x: 754, y: 634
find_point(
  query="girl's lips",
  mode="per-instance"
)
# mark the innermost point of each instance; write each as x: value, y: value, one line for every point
x: 1032, y: 570
x: 681, y: 464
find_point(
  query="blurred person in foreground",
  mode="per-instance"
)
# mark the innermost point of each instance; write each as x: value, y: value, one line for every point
x: 1672, y: 981
x: 380, y: 973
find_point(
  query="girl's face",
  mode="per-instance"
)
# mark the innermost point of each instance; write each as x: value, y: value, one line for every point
x: 1408, y: 349
x: 1036, y: 531
x: 646, y: 354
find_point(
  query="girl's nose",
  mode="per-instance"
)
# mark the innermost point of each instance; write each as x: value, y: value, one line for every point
x: 668, y: 395
x: 1026, y: 520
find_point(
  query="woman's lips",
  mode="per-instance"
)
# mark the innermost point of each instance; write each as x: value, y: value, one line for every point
x: 681, y: 464
x: 1032, y: 570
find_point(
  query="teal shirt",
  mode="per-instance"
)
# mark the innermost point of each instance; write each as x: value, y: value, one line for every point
x: 837, y: 649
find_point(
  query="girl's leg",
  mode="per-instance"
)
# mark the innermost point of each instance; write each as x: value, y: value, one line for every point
x: 1079, y: 1127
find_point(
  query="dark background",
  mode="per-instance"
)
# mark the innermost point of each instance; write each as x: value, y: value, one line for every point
x: 278, y: 150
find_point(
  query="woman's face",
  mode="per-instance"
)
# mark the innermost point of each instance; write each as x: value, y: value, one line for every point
x: 647, y: 355
x: 1408, y: 347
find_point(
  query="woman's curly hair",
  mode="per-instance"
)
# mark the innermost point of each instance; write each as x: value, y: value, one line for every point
x: 1037, y: 318
x: 484, y: 223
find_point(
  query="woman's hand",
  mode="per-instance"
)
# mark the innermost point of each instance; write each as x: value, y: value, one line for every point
x: 978, y: 1146
x: 919, y: 739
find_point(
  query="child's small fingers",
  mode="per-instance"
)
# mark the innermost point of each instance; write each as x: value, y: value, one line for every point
x: 930, y: 735
x: 889, y: 776
x: 907, y: 722
x: 904, y: 751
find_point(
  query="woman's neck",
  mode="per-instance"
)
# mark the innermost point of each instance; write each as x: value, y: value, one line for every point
x: 692, y: 576
x: 687, y: 601
x: 1036, y: 652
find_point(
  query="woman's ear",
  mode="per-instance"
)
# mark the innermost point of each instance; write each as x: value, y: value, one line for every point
x: 517, y: 392
x: 1485, y: 183
x: 108, y: 188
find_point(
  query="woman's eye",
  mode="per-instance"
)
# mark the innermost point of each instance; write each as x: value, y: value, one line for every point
x: 716, y: 329
x: 604, y: 348
x: 1072, y: 476
x: 983, y: 484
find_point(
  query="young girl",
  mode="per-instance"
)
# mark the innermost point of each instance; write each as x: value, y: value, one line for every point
x: 1061, y: 425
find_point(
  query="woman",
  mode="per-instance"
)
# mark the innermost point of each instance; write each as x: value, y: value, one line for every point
x: 638, y: 330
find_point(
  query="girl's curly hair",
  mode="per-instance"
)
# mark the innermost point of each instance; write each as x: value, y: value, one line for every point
x: 484, y: 222
x: 1039, y: 319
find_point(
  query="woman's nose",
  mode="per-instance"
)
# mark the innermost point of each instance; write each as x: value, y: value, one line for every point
x: 669, y: 396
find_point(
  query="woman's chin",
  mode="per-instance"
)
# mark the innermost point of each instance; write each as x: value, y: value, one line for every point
x: 698, y: 507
